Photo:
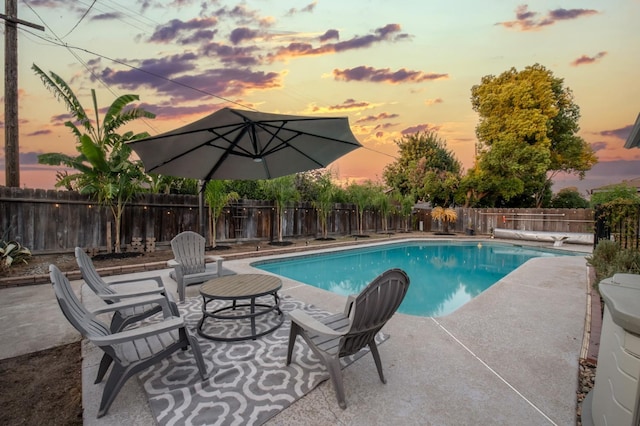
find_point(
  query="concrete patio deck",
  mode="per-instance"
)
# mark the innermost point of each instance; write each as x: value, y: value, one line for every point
x: 508, y: 357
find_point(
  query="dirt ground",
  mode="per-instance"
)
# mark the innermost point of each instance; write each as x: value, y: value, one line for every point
x: 42, y: 388
x: 45, y: 388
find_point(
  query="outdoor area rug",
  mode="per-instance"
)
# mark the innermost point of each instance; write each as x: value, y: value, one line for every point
x: 248, y: 380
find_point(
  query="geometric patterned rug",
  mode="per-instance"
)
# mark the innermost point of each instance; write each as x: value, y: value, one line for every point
x: 248, y: 382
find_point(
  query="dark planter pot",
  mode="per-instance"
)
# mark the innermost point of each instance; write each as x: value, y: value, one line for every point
x: 469, y: 231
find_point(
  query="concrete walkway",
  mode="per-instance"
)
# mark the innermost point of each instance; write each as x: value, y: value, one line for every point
x: 508, y: 357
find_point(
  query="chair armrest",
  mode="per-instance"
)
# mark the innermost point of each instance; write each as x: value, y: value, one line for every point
x: 212, y: 258
x: 138, y: 301
x: 127, y: 294
x: 309, y: 323
x: 139, y: 333
x: 172, y: 263
x: 158, y: 281
x: 347, y: 307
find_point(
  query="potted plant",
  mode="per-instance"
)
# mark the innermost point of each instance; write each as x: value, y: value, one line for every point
x: 444, y: 215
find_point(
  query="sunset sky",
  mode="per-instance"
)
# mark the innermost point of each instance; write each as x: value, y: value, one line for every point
x: 393, y: 68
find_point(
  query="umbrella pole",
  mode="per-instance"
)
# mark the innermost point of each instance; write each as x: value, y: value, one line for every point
x: 201, y: 215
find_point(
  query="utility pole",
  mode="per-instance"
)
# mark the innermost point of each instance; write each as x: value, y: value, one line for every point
x: 11, y: 145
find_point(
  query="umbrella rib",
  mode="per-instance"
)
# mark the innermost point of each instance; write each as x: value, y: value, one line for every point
x: 285, y: 142
x: 226, y: 153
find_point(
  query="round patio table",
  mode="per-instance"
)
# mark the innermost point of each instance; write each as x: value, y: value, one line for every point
x: 236, y: 288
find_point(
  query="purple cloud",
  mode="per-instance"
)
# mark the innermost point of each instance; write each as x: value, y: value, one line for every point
x: 239, y: 35
x: 621, y: 133
x: 584, y: 59
x: 387, y: 33
x: 329, y: 35
x: 163, y: 67
x: 40, y: 132
x: 419, y: 128
x: 107, y: 16
x: 244, y: 56
x: 30, y: 157
x: 172, y: 30
x: 374, y: 118
x: 307, y: 9
x: 526, y: 19
x: 364, y: 73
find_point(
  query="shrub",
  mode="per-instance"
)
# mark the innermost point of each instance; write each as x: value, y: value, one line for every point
x: 12, y: 252
x: 608, y: 259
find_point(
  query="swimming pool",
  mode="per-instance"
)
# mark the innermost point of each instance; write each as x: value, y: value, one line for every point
x: 444, y: 274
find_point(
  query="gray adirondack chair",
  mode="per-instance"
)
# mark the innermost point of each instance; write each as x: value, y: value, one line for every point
x: 117, y: 291
x: 190, y: 263
x: 344, y: 334
x: 128, y: 352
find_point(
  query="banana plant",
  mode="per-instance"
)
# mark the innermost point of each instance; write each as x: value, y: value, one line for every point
x: 103, y: 167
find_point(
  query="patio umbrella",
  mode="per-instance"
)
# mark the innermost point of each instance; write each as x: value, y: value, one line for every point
x: 240, y: 144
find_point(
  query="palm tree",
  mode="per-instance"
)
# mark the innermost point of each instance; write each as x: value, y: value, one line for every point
x: 382, y: 202
x: 324, y: 201
x: 103, y: 167
x: 217, y: 197
x: 282, y: 191
x: 363, y: 196
x: 445, y: 216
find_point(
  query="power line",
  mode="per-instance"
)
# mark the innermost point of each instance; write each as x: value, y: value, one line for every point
x: 81, y: 18
x: 84, y: 64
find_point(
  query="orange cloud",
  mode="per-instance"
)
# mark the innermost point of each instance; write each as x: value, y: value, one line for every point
x: 430, y: 102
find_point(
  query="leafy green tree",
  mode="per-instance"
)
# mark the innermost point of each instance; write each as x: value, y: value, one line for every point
x: 420, y: 154
x: 247, y: 189
x: 527, y: 132
x: 569, y: 198
x: 281, y: 191
x: 217, y: 197
x: 440, y: 187
x: 309, y: 182
x: 103, y: 165
x: 613, y: 193
x: 477, y: 188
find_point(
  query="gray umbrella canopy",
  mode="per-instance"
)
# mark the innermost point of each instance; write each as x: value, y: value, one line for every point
x: 239, y: 144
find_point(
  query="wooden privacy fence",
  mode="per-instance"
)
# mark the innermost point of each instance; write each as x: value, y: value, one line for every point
x: 48, y: 220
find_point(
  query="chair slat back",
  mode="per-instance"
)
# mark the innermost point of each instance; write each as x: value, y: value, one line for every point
x: 188, y: 249
x: 75, y: 312
x: 373, y: 307
x: 90, y: 275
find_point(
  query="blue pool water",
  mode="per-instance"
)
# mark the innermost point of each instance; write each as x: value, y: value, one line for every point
x: 444, y: 275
